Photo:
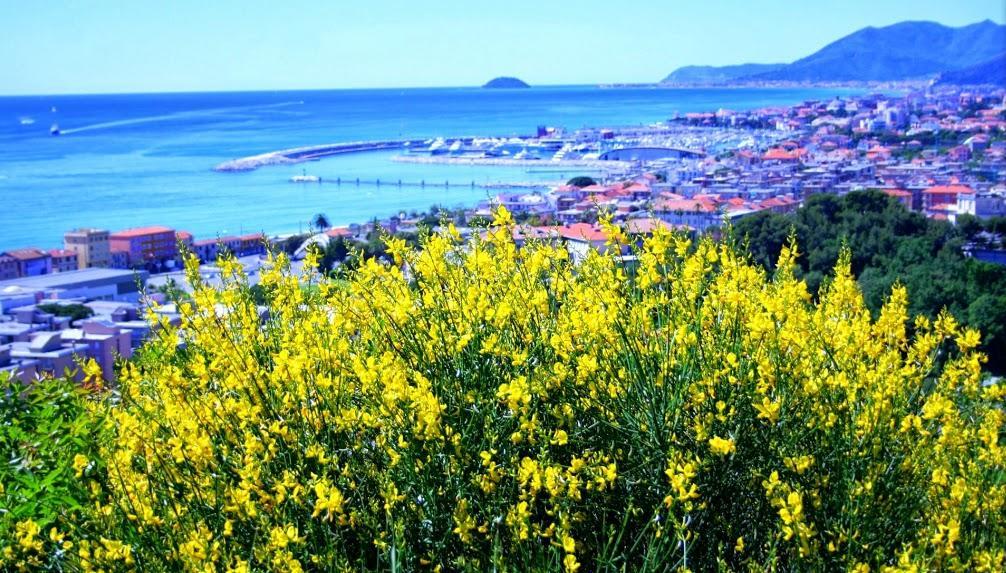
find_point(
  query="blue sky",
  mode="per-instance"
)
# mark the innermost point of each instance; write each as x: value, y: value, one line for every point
x: 91, y: 46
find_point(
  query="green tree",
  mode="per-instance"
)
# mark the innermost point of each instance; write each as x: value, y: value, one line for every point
x: 74, y: 311
x: 320, y: 222
x: 581, y: 181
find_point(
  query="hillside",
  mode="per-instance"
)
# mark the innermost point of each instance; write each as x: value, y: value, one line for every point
x: 988, y: 72
x: 717, y: 74
x: 905, y: 50
x: 505, y: 82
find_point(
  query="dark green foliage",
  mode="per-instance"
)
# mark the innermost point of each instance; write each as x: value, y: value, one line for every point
x: 581, y: 181
x: 74, y: 311
x: 43, y: 427
x: 889, y: 245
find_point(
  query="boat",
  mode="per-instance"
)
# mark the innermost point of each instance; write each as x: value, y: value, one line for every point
x: 26, y: 121
x: 54, y: 130
x: 305, y: 179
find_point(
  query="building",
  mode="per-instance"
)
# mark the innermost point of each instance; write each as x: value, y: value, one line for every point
x: 580, y: 238
x: 63, y: 260
x: 30, y: 262
x: 91, y: 245
x: 46, y: 349
x: 146, y: 246
x: 205, y: 250
x: 8, y: 267
x: 24, y: 369
x: 982, y: 204
x: 102, y: 342
x: 699, y: 214
x: 942, y: 199
x: 103, y: 284
x: 118, y: 259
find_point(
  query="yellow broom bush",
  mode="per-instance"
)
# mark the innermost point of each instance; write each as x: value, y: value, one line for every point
x: 490, y: 408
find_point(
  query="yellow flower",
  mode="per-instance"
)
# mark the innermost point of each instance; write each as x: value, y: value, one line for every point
x: 568, y: 544
x: 80, y: 463
x: 721, y: 446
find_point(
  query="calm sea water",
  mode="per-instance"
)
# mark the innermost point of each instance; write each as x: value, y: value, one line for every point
x: 132, y: 160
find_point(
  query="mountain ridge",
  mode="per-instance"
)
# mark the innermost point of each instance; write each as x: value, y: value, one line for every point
x: 909, y: 50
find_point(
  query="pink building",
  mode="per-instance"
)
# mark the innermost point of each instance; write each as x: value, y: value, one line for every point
x: 63, y: 260
x: 145, y: 245
x: 939, y: 198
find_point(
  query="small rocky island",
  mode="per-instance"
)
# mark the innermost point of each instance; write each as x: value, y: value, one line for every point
x: 505, y: 82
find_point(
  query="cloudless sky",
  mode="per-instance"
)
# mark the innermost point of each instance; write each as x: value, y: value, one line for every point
x: 93, y: 46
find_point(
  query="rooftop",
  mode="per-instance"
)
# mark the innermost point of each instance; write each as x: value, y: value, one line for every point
x: 26, y: 254
x: 71, y: 278
x: 140, y: 231
x: 85, y: 230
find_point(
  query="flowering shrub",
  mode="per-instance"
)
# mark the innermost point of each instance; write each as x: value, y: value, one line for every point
x: 495, y: 408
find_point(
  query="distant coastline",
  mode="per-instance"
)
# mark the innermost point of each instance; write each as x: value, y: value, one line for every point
x: 889, y: 85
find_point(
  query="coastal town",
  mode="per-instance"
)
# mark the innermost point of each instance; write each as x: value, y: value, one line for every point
x: 940, y: 152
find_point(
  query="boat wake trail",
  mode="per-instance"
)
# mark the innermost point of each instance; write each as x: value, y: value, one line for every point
x: 175, y: 116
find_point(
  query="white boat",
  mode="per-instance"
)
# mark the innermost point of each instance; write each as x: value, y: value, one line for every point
x: 54, y: 130
x: 305, y: 179
x: 26, y: 121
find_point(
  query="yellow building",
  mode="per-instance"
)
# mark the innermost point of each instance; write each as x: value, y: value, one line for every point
x: 91, y: 246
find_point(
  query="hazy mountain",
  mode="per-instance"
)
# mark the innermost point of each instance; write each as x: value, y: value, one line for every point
x: 717, y: 74
x: 901, y: 51
x: 988, y: 72
x: 907, y: 50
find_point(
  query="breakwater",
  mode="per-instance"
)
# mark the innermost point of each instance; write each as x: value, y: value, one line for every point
x: 313, y: 152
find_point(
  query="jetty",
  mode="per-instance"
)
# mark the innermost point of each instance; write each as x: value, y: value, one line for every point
x: 424, y: 183
x: 313, y: 152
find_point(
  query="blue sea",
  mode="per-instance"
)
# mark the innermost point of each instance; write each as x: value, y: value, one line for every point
x: 146, y: 159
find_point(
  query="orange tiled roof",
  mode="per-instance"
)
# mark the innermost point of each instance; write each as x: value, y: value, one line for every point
x: 140, y: 231
x: 898, y: 192
x: 947, y: 190
x: 684, y: 205
x: 582, y: 232
x: 62, y: 253
x: 27, y: 254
